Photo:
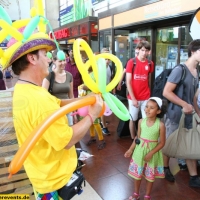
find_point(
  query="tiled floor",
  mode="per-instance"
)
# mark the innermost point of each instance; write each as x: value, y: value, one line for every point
x: 107, y: 170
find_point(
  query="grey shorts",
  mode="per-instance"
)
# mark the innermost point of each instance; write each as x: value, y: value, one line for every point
x: 170, y: 126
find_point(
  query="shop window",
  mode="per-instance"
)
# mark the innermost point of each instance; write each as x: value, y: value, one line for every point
x: 105, y: 40
x: 166, y: 49
x: 168, y: 52
x: 185, y: 40
x: 126, y: 41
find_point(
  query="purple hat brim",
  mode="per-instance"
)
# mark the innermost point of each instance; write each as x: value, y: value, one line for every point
x: 32, y: 45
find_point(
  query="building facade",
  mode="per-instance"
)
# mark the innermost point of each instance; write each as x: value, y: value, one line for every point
x: 164, y: 23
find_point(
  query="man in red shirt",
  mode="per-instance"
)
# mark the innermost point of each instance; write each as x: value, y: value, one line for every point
x: 137, y: 79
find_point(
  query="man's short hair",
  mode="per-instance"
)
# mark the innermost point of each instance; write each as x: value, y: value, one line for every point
x: 144, y: 44
x: 22, y: 63
x: 105, y: 50
x: 193, y: 46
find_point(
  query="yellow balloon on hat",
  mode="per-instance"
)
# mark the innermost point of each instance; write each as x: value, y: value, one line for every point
x: 3, y: 35
x: 10, y: 51
x: 11, y: 30
x: 20, y: 23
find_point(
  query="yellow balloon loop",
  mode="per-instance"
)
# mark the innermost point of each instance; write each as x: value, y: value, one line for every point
x: 83, y: 67
x: 119, y: 69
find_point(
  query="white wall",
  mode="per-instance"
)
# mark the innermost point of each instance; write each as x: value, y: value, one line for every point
x: 18, y: 9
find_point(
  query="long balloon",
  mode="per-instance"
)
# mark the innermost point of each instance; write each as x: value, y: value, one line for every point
x: 35, y: 135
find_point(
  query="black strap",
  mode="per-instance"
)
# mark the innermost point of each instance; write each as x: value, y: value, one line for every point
x: 183, y: 75
x: 52, y: 78
x: 134, y: 64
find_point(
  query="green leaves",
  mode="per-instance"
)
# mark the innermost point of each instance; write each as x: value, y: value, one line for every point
x: 80, y: 10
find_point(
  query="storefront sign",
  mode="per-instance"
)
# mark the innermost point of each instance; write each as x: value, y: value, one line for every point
x: 74, y: 31
x: 84, y: 29
x: 63, y: 33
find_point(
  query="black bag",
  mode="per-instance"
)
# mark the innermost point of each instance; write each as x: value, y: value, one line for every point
x: 73, y: 187
x: 161, y: 80
x: 122, y: 94
x: 123, y: 128
x: 52, y: 78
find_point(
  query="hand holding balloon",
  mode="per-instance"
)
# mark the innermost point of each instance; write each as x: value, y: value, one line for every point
x: 84, y: 111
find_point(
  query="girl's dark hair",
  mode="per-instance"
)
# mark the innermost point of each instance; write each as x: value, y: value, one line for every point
x: 22, y: 63
x: 163, y: 108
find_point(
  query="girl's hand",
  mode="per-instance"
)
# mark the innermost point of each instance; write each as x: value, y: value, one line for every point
x: 148, y: 157
x: 128, y: 153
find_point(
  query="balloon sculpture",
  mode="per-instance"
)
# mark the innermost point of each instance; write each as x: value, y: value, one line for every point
x: 98, y: 86
x: 194, y: 26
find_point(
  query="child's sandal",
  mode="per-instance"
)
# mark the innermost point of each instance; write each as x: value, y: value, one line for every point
x: 134, y: 197
x: 147, y: 197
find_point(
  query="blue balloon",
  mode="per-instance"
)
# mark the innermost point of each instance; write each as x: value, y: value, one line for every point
x: 31, y: 27
x: 4, y: 15
x: 61, y: 55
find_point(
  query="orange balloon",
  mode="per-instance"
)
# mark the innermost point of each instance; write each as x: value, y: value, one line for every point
x: 32, y: 139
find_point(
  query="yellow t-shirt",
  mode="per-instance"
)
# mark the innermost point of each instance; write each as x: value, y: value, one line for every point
x: 49, y: 166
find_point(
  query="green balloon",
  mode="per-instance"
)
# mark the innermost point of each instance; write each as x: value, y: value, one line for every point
x: 116, y: 106
x: 49, y: 55
x: 101, y: 64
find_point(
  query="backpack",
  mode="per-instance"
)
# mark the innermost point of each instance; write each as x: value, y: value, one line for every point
x: 161, y: 80
x: 7, y: 74
x: 134, y: 64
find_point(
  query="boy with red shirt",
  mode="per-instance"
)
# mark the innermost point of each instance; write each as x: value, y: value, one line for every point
x: 137, y: 81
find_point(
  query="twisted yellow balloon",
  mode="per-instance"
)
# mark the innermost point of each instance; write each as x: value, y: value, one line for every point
x: 97, y: 62
x: 98, y: 87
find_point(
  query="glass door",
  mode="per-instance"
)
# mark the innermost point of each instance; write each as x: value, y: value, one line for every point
x: 171, y: 47
x: 166, y: 49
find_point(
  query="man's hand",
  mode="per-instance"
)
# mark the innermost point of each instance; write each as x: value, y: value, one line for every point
x: 188, y: 108
x: 95, y: 109
x: 135, y: 103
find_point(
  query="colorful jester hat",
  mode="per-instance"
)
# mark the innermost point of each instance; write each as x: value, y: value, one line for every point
x: 194, y: 26
x: 25, y: 35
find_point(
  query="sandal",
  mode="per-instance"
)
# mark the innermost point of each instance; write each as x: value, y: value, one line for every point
x: 134, y: 197
x: 101, y: 144
x: 147, y: 197
x: 91, y: 141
